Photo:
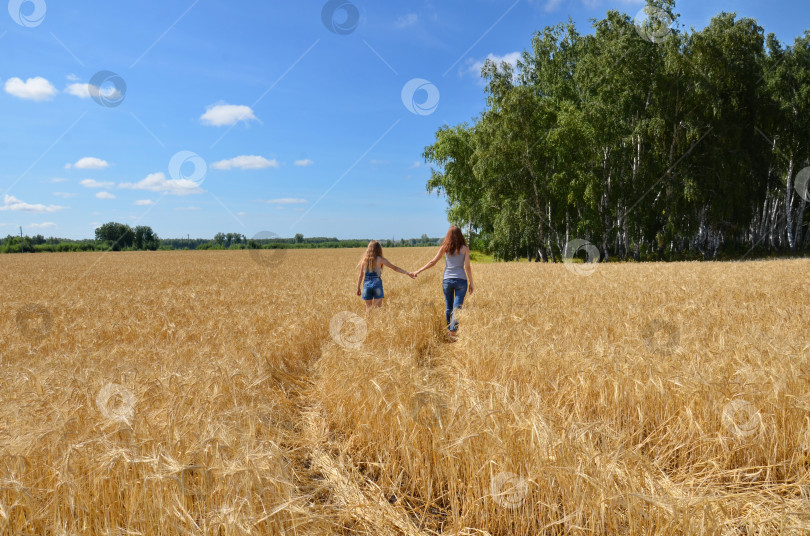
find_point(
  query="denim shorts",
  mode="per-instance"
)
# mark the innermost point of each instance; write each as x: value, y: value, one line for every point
x: 372, y: 288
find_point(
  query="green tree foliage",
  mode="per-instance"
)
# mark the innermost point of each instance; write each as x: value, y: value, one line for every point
x: 118, y: 235
x: 145, y: 238
x: 685, y: 145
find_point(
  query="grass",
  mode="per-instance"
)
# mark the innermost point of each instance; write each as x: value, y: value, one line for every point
x: 481, y: 257
x: 224, y: 393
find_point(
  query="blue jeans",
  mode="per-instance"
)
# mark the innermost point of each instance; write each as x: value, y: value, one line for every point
x: 454, y: 292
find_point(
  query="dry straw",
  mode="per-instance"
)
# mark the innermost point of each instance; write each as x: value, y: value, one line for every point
x: 204, y: 393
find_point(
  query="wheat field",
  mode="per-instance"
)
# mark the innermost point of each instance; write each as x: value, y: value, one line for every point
x: 230, y: 392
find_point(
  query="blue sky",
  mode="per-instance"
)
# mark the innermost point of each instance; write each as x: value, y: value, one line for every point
x: 195, y: 117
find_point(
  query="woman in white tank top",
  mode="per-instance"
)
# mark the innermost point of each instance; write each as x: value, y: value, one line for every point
x: 457, y: 278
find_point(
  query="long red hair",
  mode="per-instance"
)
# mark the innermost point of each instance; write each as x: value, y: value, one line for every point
x: 373, y: 251
x: 453, y: 240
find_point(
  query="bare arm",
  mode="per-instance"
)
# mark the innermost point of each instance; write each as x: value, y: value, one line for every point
x: 360, y: 281
x: 431, y: 263
x: 468, y: 268
x: 383, y: 261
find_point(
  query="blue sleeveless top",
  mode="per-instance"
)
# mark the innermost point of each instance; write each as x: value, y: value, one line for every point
x: 454, y: 266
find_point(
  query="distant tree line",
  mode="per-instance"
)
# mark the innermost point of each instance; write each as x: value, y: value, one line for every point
x: 648, y: 142
x: 115, y: 236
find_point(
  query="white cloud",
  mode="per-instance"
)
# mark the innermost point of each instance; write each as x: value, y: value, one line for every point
x: 286, y: 201
x: 105, y: 195
x: 36, y: 89
x: 379, y: 162
x: 72, y: 78
x: 187, y: 208
x: 12, y: 203
x: 65, y: 194
x: 82, y: 91
x: 53, y: 181
x: 552, y: 5
x: 144, y: 202
x: 241, y: 213
x: 511, y: 58
x: 89, y: 162
x: 245, y: 162
x: 407, y: 20
x: 303, y: 163
x: 90, y: 183
x: 220, y: 115
x: 416, y: 165
x: 157, y: 182
x: 43, y: 225
x: 79, y: 90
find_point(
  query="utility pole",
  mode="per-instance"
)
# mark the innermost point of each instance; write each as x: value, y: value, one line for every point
x: 22, y: 250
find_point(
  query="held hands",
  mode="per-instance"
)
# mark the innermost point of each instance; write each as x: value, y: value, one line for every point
x: 413, y: 274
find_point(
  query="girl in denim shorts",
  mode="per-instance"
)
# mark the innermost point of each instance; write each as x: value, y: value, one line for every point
x: 371, y: 265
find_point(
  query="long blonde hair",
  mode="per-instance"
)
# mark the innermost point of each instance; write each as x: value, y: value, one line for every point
x: 373, y: 251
